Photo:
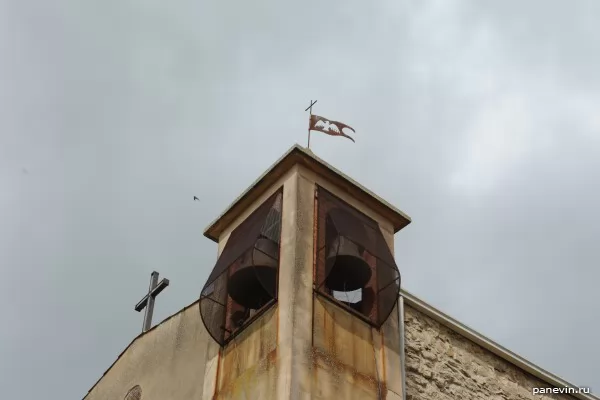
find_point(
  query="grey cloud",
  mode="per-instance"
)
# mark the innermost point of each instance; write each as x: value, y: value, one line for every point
x: 476, y: 118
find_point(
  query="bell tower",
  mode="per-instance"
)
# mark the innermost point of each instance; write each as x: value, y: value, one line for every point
x: 303, y: 297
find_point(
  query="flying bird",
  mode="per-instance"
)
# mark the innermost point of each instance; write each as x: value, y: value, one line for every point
x: 195, y: 198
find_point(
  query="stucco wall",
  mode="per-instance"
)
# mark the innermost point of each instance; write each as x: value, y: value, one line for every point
x: 442, y: 365
x: 248, y: 365
x: 348, y: 357
x: 167, y: 362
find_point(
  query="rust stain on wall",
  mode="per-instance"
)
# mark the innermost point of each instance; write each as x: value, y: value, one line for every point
x: 345, y: 337
x: 256, y: 382
x: 343, y: 355
x: 338, y: 380
x: 250, y: 354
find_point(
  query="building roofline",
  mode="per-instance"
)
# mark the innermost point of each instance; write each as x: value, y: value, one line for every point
x: 488, y: 344
x: 135, y: 339
x: 444, y: 319
x: 300, y: 155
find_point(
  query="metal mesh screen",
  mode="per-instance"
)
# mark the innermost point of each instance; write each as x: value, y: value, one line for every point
x: 243, y: 282
x: 352, y: 257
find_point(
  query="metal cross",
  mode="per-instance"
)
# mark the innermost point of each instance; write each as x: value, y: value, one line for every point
x: 148, y: 301
x: 312, y: 103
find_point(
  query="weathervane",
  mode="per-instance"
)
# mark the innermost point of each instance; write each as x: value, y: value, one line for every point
x: 317, y: 123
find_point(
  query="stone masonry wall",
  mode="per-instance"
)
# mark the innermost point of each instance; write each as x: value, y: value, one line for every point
x: 442, y: 365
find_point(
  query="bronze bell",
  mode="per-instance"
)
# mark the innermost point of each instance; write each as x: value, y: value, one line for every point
x: 347, y: 270
x: 254, y: 281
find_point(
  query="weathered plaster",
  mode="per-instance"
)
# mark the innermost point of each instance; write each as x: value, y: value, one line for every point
x: 168, y: 362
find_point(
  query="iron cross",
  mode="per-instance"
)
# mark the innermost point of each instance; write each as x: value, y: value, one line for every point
x: 312, y: 103
x: 148, y: 301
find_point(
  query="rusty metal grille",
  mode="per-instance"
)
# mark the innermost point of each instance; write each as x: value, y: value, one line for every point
x: 354, y: 265
x: 243, y: 282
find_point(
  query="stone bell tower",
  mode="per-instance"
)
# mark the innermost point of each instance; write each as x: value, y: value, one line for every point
x: 303, y: 297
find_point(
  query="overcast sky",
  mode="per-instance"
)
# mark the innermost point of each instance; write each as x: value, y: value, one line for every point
x: 477, y: 118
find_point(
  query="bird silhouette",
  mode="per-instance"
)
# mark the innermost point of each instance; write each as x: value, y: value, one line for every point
x: 195, y: 198
x: 327, y: 126
x: 333, y: 128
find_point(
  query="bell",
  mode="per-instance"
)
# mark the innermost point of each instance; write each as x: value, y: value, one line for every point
x: 254, y: 282
x: 347, y: 270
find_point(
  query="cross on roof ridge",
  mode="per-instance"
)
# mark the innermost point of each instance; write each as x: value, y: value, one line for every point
x: 147, y: 301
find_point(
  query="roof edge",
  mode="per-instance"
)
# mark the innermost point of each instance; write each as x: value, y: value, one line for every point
x: 134, y: 340
x: 208, y: 231
x: 306, y: 157
x: 488, y: 344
